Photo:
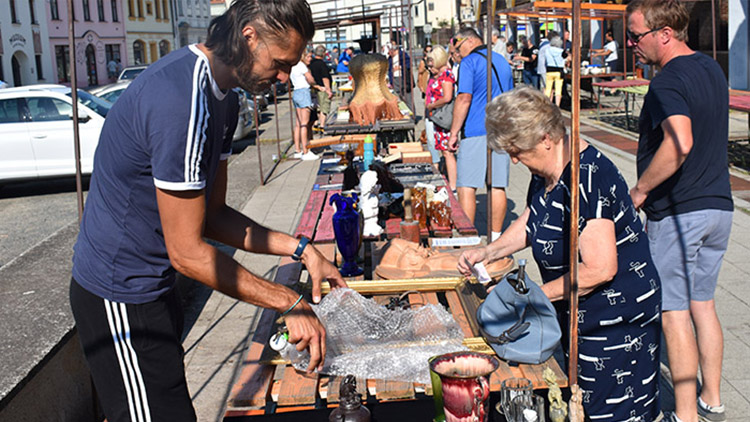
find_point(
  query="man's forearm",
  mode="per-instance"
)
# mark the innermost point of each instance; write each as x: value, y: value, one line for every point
x: 671, y: 154
x: 460, y: 111
x: 222, y: 224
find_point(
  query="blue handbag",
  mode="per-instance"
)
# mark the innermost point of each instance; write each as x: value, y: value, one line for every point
x: 518, y: 320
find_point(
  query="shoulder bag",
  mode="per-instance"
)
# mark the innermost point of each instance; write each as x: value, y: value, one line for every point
x: 519, y: 322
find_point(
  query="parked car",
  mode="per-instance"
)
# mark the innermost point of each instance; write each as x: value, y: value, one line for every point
x: 37, y: 139
x: 111, y: 92
x: 131, y: 72
x: 246, y: 121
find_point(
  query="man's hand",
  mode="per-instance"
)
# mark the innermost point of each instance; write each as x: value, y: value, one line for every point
x: 329, y: 92
x: 307, y: 332
x: 638, y: 197
x: 453, y: 142
x: 470, y: 257
x: 320, y: 269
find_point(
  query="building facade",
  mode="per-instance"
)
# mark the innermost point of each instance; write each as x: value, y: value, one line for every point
x: 24, y: 47
x: 99, y: 39
x: 149, y: 32
x: 191, y: 19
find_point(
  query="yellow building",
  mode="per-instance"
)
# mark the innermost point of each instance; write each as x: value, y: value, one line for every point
x: 149, y: 33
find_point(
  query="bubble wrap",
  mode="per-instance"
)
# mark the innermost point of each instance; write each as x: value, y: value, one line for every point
x: 368, y: 340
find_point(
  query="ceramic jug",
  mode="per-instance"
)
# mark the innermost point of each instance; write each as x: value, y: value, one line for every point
x: 464, y: 377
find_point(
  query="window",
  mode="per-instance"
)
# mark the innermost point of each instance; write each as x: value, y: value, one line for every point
x: 100, y: 10
x: 2, y: 74
x: 13, y: 17
x: 131, y: 9
x: 158, y: 11
x: 9, y: 111
x: 45, y: 109
x: 114, y: 11
x: 165, y: 8
x: 140, y: 8
x: 163, y: 48
x: 86, y: 11
x: 180, y: 10
x: 61, y: 58
x: 139, y: 51
x: 431, y: 6
x: 31, y: 10
x: 39, y: 74
x: 112, y: 52
x: 149, y: 11
x: 53, y: 10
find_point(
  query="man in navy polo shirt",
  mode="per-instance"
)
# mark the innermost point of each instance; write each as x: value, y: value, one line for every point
x: 158, y: 191
x: 683, y: 186
x: 468, y: 115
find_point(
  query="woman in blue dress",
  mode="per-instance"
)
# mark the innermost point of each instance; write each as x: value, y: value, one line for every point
x: 619, y: 323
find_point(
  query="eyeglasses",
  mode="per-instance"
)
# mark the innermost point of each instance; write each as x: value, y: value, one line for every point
x: 636, y: 38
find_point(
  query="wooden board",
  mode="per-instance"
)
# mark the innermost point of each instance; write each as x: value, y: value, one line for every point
x: 310, y: 214
x: 324, y: 232
x: 460, y: 220
x: 297, y: 388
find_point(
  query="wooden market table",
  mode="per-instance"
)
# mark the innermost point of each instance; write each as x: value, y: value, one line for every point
x: 630, y: 87
x: 740, y: 101
x: 267, y: 385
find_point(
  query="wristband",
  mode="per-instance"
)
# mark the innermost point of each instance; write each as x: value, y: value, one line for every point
x: 292, y: 307
x: 300, y: 248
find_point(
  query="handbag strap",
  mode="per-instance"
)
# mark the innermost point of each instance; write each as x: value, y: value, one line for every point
x: 511, y: 334
x: 493, y: 70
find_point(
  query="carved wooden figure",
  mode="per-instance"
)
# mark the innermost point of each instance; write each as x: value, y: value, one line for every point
x: 372, y: 101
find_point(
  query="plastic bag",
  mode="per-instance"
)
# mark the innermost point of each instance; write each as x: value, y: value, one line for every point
x: 368, y: 340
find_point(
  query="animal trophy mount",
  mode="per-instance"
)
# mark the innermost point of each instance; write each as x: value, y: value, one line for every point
x: 372, y: 101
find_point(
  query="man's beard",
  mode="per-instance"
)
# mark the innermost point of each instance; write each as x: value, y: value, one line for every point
x: 247, y: 80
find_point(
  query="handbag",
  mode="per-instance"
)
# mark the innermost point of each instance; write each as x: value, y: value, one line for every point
x: 442, y: 116
x: 518, y: 321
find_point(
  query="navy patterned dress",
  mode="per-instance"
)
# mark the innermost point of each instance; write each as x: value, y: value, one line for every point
x: 619, y: 324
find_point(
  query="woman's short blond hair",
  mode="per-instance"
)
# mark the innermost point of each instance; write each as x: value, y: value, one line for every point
x: 439, y: 57
x: 519, y: 119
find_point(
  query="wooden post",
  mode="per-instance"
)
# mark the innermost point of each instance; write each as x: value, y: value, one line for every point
x: 74, y: 104
x: 257, y: 139
x: 276, y: 119
x: 488, y: 37
x: 572, y: 290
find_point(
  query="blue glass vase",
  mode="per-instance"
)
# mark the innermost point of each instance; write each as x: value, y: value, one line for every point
x: 346, y: 227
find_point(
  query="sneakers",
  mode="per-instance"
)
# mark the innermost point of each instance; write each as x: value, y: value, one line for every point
x: 297, y: 155
x: 309, y: 156
x: 708, y: 413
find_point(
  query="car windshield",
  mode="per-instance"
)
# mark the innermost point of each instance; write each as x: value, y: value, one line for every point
x: 130, y: 74
x: 95, y: 103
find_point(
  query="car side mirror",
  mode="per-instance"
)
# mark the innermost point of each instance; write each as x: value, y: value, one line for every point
x: 83, y: 116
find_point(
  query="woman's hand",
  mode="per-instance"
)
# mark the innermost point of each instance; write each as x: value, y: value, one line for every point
x: 470, y: 257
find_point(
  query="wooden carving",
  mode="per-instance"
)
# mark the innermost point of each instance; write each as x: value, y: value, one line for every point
x: 371, y: 101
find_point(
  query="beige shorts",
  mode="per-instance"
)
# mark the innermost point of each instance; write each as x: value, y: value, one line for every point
x: 324, y: 102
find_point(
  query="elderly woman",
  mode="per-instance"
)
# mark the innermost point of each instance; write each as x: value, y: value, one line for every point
x: 618, y: 317
x: 556, y: 60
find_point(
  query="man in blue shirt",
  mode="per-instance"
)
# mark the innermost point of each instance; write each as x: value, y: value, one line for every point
x: 158, y: 191
x: 344, y: 59
x: 683, y: 186
x: 468, y: 115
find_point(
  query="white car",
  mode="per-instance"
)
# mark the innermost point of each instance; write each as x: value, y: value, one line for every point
x: 130, y: 73
x: 111, y: 92
x: 37, y: 131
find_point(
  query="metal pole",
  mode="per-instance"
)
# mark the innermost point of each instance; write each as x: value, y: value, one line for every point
x: 257, y: 139
x: 411, y: 63
x: 488, y: 38
x: 291, y: 110
x: 713, y: 26
x: 74, y: 99
x: 572, y: 290
x: 276, y: 119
